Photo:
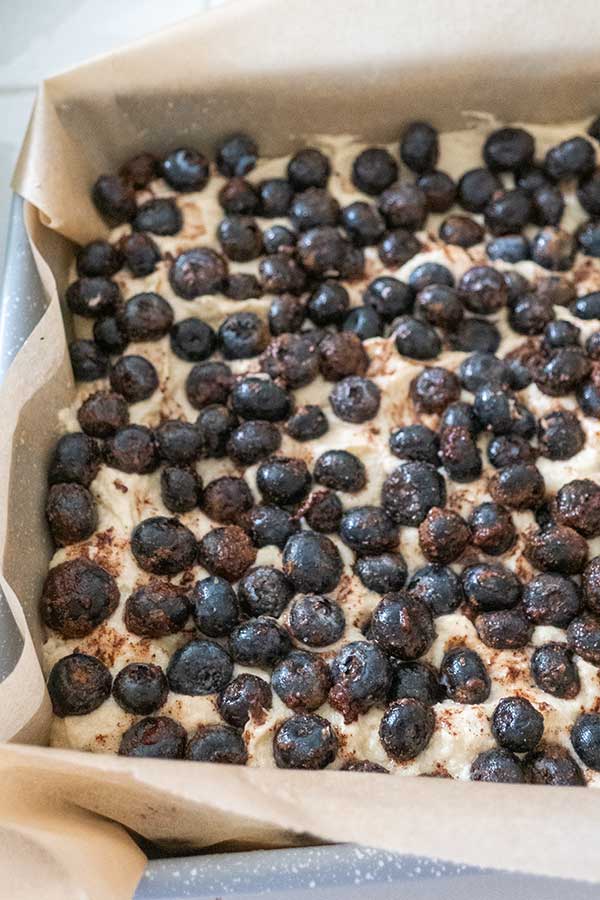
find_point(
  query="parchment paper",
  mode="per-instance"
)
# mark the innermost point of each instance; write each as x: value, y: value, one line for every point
x: 281, y: 71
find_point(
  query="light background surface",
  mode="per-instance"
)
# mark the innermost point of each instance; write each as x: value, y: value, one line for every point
x: 41, y: 38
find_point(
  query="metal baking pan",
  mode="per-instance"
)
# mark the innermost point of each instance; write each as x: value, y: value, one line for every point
x: 333, y: 872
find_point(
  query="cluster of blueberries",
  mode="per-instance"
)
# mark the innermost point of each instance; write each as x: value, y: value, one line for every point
x: 312, y: 331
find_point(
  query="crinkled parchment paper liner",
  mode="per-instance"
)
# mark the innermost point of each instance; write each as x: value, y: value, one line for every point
x: 280, y: 71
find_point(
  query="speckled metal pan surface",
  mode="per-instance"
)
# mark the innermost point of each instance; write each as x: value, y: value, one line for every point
x: 330, y: 872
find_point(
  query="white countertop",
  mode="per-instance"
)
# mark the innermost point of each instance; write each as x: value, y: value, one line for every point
x: 40, y: 39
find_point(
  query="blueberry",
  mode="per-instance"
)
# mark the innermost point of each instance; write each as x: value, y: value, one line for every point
x: 530, y: 315
x: 577, y: 504
x: 419, y: 146
x: 277, y: 238
x: 199, y: 667
x: 355, y: 399
x: 132, y: 448
x: 240, y: 197
x: 328, y: 304
x: 501, y: 412
x: 588, y: 238
x: 78, y: 684
x: 365, y: 322
x: 561, y: 333
x: 217, y: 744
x: 439, y: 189
x: 397, y: 247
x: 492, y: 528
x: 236, y: 155
x: 363, y: 223
x: 585, y: 738
x: 312, y: 562
x: 185, y: 170
x: 246, y: 697
x: 416, y: 339
x: 508, y: 211
x: 76, y: 458
x: 591, y: 584
x: 71, y: 513
x: 368, y: 530
x: 553, y: 765
x: 215, y: 424
x: 554, y: 670
x: 93, y: 298
x: 308, y: 168
x: 304, y: 742
x: 584, y: 638
x: 197, y: 272
x: 548, y: 205
x: 243, y: 335
x: 253, y: 441
x: 163, y: 546
x: 411, y: 490
x: 140, y: 688
x: 505, y: 450
x: 504, y: 629
x: 573, y: 157
x: 500, y: 766
x: 156, y: 609
x: 461, y: 231
x: 291, y: 359
x: 476, y: 188
x: 88, y: 360
x: 302, y: 681
x: 415, y: 442
x: 430, y: 273
x: 588, y: 398
x: 178, y: 442
x: 323, y: 511
x: 180, y: 488
x: 443, y: 535
x: 483, y: 290
x: 109, y: 335
x: 406, y: 728
x: 214, y: 607
x: 226, y: 552
x: 511, y: 248
x: 77, y: 596
x: 342, y: 354
x: 439, y: 305
x: 382, y: 573
x: 389, y: 297
x: 373, y: 170
x: 283, y: 480
x: 556, y: 548
x: 464, y: 676
x: 259, y: 642
x: 460, y: 415
x: 481, y: 369
x: 475, y: 334
x: 192, y: 340
x: 340, y: 471
x: 270, y: 525
x: 553, y: 248
x: 551, y: 600
x: 265, y: 591
x: 417, y: 680
x: 588, y: 194
x: 134, y: 377
x: 114, y: 199
x: 98, y: 259
x: 159, y: 216
x: 312, y: 208
x: 491, y: 586
x: 361, y: 677
x: 517, y: 725
x: 102, y: 414
x: 508, y: 149
x: 403, y: 205
x: 437, y: 586
x: 260, y: 398
x: 459, y: 454
x: 154, y: 737
x: 402, y: 625
x: 316, y: 621
x: 275, y: 197
x: 307, y: 423
x: 434, y: 389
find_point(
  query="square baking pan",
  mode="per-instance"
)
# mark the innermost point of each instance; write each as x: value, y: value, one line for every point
x: 331, y: 872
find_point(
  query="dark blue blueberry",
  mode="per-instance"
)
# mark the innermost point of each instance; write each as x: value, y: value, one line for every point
x: 418, y: 680
x: 236, y: 155
x: 252, y: 441
x: 186, y: 170
x: 199, y: 667
x: 88, y: 360
x: 389, y: 297
x: 260, y: 398
x: 277, y: 238
x: 416, y: 339
x: 499, y: 766
x: 406, y: 728
x: 492, y: 528
x: 365, y: 322
x: 140, y: 688
x: 460, y: 414
x: 474, y: 334
x: 491, y: 586
x: 340, y: 471
x: 214, y: 607
x: 511, y: 248
x: 328, y: 303
x: 588, y: 238
x: 585, y: 737
x: 304, y: 742
x: 270, y: 525
x: 481, y: 369
x: 154, y: 737
x: 307, y: 423
x: 361, y: 677
x: 464, y: 676
x: 302, y: 680
x: 368, y: 530
x: 312, y: 562
x: 316, y: 621
x: 551, y: 599
x: 283, y: 480
x: 363, y: 223
x: 259, y: 642
x: 429, y: 273
x: 411, y: 490
x: 437, y: 586
x: 217, y: 744
x: 402, y: 625
x: 265, y: 590
x: 245, y: 697
x: 159, y: 216
x: 416, y: 442
x: 382, y: 573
